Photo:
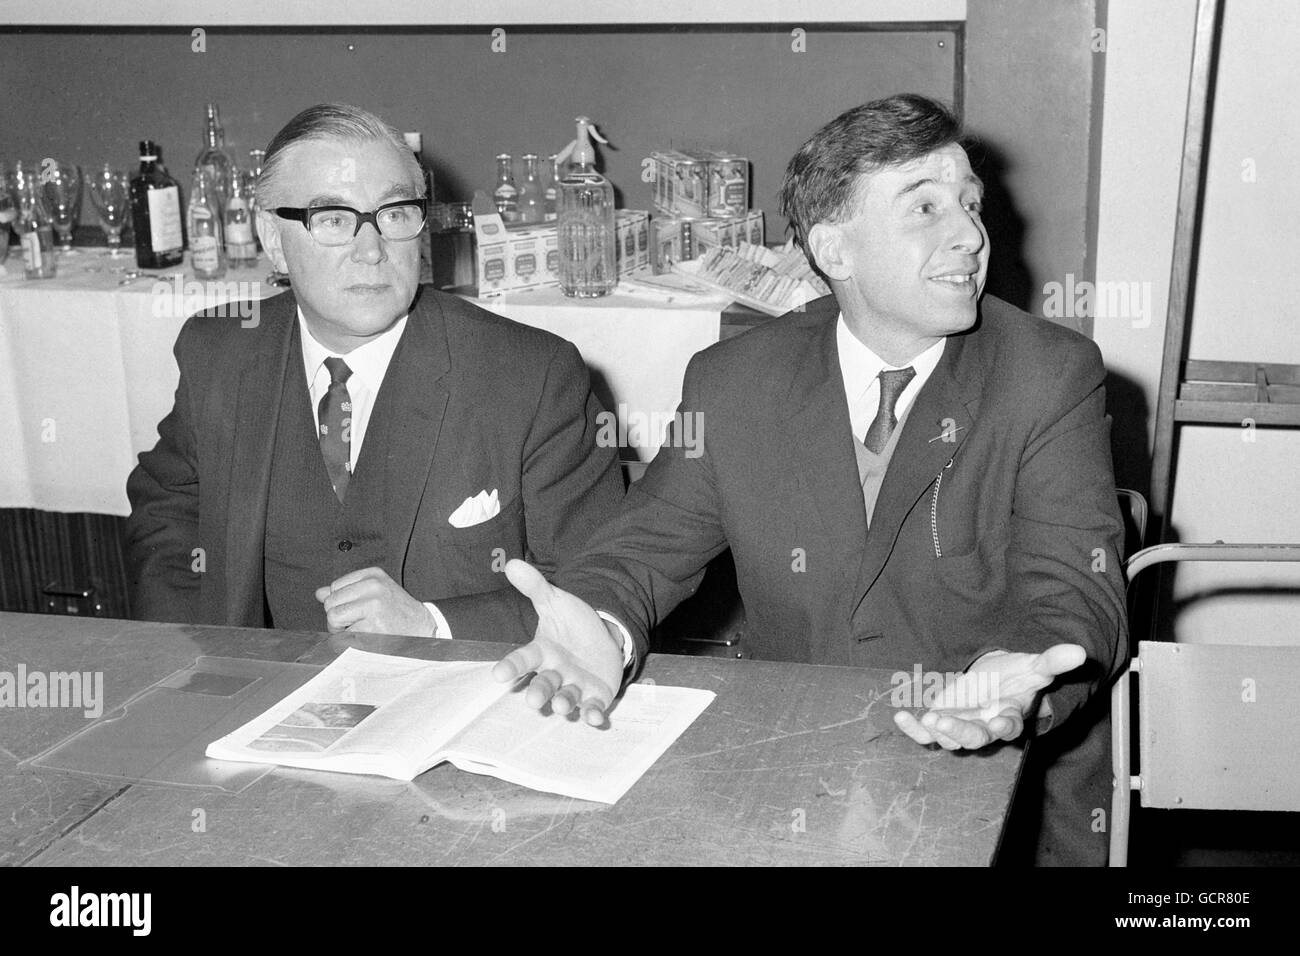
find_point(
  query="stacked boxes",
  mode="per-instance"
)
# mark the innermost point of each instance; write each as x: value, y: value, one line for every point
x: 703, y: 197
x: 701, y: 184
x: 681, y: 184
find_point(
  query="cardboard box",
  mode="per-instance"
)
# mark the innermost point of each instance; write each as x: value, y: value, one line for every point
x: 681, y: 184
x: 512, y: 259
x: 632, y: 227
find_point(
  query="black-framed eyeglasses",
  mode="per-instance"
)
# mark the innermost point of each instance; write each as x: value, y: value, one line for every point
x: 339, y: 225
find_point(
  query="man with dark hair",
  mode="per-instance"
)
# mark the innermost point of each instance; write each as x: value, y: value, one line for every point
x: 905, y: 474
x: 368, y: 453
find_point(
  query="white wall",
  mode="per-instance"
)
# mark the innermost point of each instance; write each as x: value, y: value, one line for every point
x: 1246, y: 307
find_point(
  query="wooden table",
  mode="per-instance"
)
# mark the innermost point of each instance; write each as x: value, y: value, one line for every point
x: 791, y: 764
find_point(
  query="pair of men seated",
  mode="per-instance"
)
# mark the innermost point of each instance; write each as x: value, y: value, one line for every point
x: 906, y: 471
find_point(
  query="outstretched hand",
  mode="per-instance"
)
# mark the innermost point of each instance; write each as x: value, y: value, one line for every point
x: 990, y: 701
x: 577, y: 657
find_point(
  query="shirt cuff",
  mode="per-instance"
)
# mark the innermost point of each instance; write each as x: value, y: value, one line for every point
x: 628, y: 645
x: 441, y: 629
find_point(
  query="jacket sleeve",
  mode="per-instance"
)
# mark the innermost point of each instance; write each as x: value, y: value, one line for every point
x: 1064, y: 566
x: 571, y: 486
x: 648, y: 560
x: 163, y: 566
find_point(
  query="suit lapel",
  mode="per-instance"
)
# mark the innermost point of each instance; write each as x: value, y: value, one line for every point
x: 932, y: 435
x: 249, y: 452
x: 818, y: 435
x: 411, y: 405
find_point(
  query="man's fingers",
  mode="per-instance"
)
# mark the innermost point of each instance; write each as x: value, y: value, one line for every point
x: 912, y: 727
x: 595, y: 711
x: 353, y: 577
x: 1060, y: 659
x: 341, y: 616
x: 542, y: 688
x: 528, y: 581
x: 518, y: 662
x: 1008, y: 725
x: 566, y: 699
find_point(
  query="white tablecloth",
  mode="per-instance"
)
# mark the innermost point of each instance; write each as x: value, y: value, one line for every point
x: 86, y: 369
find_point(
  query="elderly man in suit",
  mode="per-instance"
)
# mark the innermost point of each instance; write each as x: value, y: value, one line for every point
x: 905, y: 474
x: 368, y: 452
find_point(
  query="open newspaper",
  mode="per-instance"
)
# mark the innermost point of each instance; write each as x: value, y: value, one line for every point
x: 397, y: 717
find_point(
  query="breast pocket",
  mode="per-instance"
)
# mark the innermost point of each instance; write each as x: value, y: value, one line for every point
x: 506, y: 527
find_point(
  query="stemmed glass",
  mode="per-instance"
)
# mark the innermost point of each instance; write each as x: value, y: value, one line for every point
x: 62, y: 184
x: 110, y: 191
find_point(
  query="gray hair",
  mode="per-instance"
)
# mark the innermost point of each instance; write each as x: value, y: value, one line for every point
x: 328, y: 121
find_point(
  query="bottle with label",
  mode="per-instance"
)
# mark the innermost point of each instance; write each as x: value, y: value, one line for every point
x: 241, y: 247
x: 207, y: 252
x: 156, y: 213
x: 213, y: 159
x: 415, y: 143
x: 35, y: 232
x: 551, y: 189
x: 506, y: 195
x: 532, y: 201
x: 587, y: 239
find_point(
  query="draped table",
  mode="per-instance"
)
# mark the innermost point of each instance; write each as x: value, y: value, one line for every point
x: 87, y: 372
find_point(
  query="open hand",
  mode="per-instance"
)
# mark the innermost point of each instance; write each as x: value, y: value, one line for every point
x: 990, y: 701
x: 577, y: 657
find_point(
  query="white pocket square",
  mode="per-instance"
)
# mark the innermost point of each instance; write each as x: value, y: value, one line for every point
x: 476, y: 510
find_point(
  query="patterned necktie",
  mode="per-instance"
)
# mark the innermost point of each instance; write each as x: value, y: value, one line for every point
x: 335, y: 413
x: 892, y: 384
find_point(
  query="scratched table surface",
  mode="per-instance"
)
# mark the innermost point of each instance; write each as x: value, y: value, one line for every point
x: 792, y: 764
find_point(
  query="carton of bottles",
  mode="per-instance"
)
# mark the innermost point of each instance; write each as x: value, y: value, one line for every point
x: 513, y: 259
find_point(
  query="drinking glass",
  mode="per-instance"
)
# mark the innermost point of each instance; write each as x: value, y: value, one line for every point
x: 62, y: 184
x: 110, y: 191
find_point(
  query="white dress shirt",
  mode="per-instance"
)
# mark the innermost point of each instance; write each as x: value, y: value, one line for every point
x: 369, y: 364
x: 861, y: 370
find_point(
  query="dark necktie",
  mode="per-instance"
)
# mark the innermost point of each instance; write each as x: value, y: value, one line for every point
x: 892, y: 383
x: 335, y: 413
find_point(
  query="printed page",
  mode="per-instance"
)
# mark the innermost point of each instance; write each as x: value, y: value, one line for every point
x: 547, y: 752
x: 367, y: 713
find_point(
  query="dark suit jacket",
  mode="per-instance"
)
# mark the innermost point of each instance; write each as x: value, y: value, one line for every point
x: 484, y: 403
x: 996, y: 526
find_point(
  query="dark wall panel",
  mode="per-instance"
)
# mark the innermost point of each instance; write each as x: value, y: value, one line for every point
x: 88, y: 97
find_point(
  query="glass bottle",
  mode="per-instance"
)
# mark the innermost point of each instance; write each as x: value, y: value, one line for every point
x: 156, y: 213
x: 241, y: 247
x: 551, y: 191
x: 588, y: 267
x: 35, y: 232
x: 213, y: 159
x: 207, y: 253
x: 506, y: 195
x: 255, y: 159
x: 532, y: 202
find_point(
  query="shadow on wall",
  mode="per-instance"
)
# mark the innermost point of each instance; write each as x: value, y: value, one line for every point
x: 1008, y: 277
